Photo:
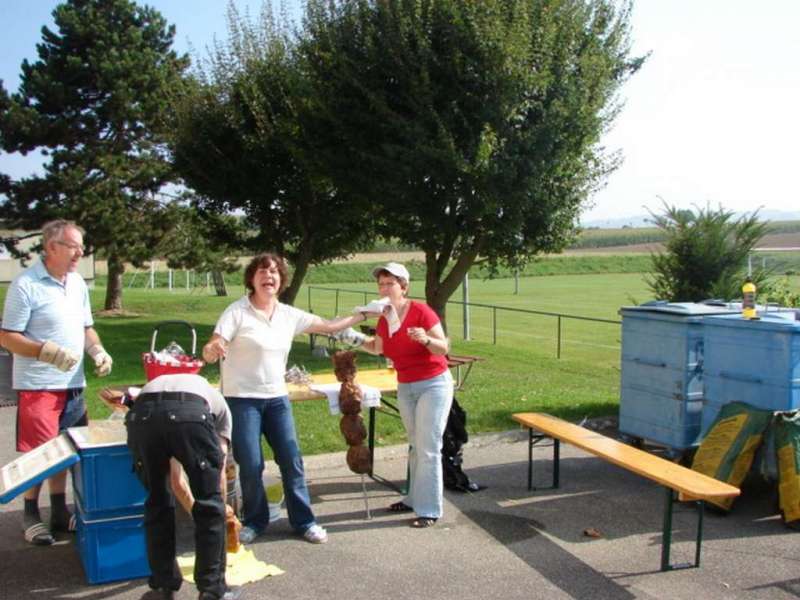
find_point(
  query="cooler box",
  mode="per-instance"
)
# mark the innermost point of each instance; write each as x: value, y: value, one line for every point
x: 112, y: 548
x: 110, y: 534
x: 103, y: 480
x: 661, y: 391
x: 753, y: 361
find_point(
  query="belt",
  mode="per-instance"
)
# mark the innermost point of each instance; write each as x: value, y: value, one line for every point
x: 170, y: 397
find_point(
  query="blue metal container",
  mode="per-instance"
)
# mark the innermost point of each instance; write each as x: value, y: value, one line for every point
x: 661, y: 391
x: 756, y: 361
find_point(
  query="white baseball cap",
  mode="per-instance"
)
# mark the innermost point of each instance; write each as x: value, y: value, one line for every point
x: 395, y: 269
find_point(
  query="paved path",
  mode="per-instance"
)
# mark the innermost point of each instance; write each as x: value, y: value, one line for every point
x: 500, y: 543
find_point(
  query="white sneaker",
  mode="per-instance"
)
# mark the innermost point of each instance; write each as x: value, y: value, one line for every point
x: 247, y: 535
x: 315, y: 534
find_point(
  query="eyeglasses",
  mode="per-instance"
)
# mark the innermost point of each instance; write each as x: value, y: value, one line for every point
x: 72, y: 245
x: 388, y: 282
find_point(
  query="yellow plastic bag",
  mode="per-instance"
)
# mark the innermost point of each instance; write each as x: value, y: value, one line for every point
x: 727, y: 451
x: 787, y: 444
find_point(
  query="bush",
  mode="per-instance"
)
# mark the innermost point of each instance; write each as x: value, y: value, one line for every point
x: 705, y: 254
x: 781, y: 294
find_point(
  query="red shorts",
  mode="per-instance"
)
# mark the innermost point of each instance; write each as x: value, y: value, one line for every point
x: 41, y: 414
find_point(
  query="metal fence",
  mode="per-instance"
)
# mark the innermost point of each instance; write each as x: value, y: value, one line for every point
x: 523, y: 319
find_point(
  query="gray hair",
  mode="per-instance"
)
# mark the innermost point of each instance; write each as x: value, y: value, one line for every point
x: 53, y: 231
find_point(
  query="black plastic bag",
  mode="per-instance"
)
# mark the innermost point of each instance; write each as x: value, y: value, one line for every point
x: 454, y: 437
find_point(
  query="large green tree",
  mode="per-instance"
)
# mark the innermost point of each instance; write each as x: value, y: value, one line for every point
x: 244, y: 143
x: 96, y: 102
x: 475, y: 125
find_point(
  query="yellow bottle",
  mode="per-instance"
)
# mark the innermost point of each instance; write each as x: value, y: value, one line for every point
x: 749, y: 300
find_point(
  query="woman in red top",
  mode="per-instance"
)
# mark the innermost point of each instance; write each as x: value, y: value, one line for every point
x: 413, y: 339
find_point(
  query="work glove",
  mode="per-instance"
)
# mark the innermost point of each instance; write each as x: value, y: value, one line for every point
x: 61, y: 358
x: 350, y: 337
x: 102, y: 360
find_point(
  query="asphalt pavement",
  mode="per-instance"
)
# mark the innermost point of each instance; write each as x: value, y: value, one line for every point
x: 503, y: 542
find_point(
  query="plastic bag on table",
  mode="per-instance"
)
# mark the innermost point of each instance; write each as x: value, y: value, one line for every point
x: 297, y: 375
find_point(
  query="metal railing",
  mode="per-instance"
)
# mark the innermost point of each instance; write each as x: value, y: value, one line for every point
x: 494, y: 308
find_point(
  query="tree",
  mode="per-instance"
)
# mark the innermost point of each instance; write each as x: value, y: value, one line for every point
x: 705, y: 254
x: 475, y: 125
x: 96, y: 101
x: 204, y: 241
x: 243, y: 144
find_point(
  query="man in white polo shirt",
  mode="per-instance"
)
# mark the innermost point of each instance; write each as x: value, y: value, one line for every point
x: 47, y: 325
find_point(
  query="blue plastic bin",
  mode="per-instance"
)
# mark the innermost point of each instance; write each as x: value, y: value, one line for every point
x: 109, y: 500
x: 103, y: 480
x: 751, y: 361
x: 661, y: 391
x: 112, y: 549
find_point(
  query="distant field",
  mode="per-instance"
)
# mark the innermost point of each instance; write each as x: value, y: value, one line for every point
x: 618, y: 250
x: 771, y: 241
x: 780, y: 234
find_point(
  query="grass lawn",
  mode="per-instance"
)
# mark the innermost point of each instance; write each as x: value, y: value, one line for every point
x: 520, y: 372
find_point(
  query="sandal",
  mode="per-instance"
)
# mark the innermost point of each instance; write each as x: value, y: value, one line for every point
x: 399, y: 507
x: 67, y: 524
x: 39, y: 534
x: 423, y: 522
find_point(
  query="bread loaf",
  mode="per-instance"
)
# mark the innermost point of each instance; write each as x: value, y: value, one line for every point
x: 353, y: 430
x: 358, y: 459
x: 351, y: 424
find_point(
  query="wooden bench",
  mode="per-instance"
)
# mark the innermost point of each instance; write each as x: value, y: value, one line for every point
x: 675, y: 478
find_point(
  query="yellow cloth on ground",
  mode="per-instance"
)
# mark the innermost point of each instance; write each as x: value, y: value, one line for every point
x: 243, y: 567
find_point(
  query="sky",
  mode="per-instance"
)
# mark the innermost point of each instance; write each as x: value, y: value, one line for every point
x: 710, y: 120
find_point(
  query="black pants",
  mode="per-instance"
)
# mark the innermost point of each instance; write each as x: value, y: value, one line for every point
x: 173, y: 424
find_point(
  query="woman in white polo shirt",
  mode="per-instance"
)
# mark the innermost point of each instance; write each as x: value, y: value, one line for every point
x: 254, y: 335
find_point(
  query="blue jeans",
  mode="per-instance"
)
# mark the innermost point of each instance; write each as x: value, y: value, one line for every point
x: 273, y: 418
x: 424, y: 407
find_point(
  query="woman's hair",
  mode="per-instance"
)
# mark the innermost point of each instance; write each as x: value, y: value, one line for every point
x: 401, y: 280
x: 264, y: 261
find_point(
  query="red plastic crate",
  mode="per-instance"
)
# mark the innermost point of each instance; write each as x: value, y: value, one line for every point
x: 186, y: 363
x: 155, y: 368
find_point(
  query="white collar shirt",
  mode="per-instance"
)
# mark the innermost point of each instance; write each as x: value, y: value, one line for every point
x: 258, y: 348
